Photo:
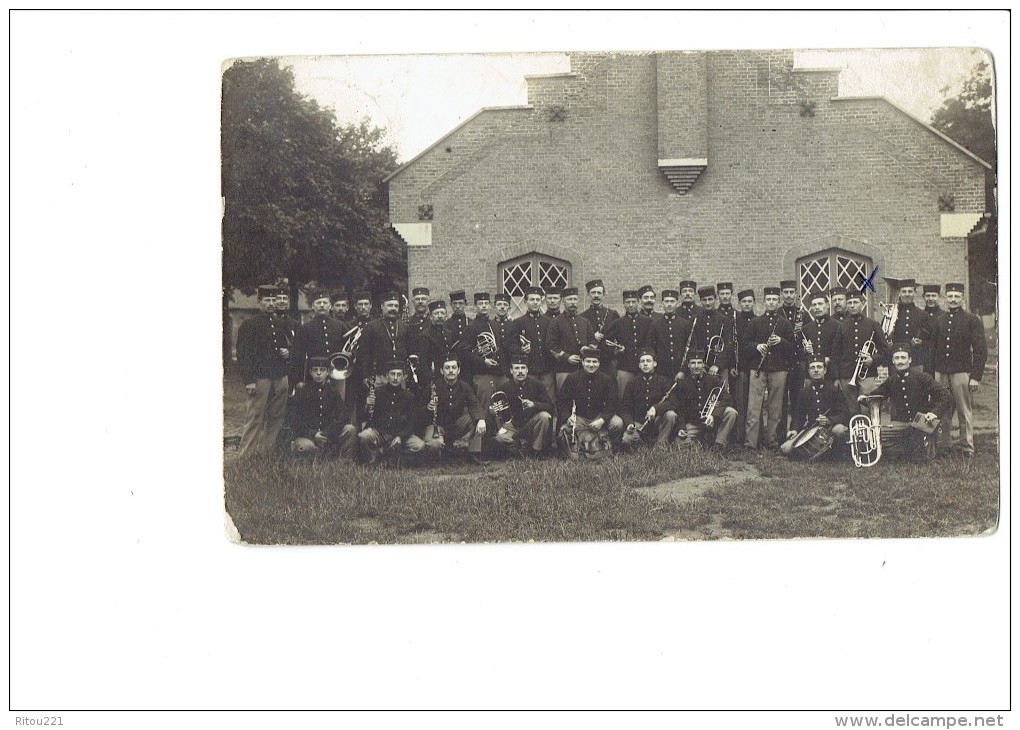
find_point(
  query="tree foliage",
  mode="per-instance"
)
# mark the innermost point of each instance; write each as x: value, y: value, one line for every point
x: 303, y: 197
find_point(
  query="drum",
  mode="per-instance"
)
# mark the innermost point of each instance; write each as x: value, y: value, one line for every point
x: 812, y: 443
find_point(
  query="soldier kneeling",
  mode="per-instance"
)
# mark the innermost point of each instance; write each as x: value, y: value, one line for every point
x: 319, y: 419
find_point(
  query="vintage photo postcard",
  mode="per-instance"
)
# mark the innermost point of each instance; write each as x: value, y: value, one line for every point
x: 605, y: 296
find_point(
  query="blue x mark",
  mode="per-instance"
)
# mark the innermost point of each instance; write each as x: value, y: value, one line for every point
x: 868, y: 281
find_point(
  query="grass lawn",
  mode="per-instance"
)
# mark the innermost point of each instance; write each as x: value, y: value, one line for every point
x: 685, y: 494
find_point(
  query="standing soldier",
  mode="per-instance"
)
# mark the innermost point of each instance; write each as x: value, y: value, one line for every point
x: 961, y: 352
x: 912, y: 327
x: 321, y: 336
x: 794, y: 312
x: 552, y: 302
x: 262, y: 355
x: 725, y: 290
x: 568, y: 333
x: 419, y: 320
x: 838, y: 298
x: 819, y: 332
x: 600, y: 318
x: 646, y: 416
x: 438, y: 341
x: 745, y: 298
x: 501, y: 327
x: 632, y: 332
x: 531, y: 411
x: 528, y: 335
x: 669, y: 336
x: 688, y: 309
x: 768, y: 350
x: 933, y: 311
x: 713, y: 336
x: 480, y: 350
x: 647, y: 296
x: 341, y: 309
x: 382, y: 341
x: 458, y: 321
x: 848, y: 349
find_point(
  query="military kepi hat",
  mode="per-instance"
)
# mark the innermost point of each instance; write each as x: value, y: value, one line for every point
x: 645, y: 289
x: 437, y: 304
x: 318, y: 361
x: 569, y: 291
x: 267, y: 291
x: 901, y: 347
x: 724, y: 286
x: 535, y: 290
x: 590, y: 351
x: 954, y: 287
x: 745, y: 293
x: 395, y: 365
x: 317, y: 294
x: 338, y: 297
x: 630, y: 294
x: 688, y: 284
x: 932, y: 289
x: 519, y: 358
x: 696, y: 354
x: 593, y: 284
x: 554, y: 290
x: 706, y: 291
x: 390, y: 296
x: 501, y: 298
x: 419, y: 291
x: 458, y: 296
x: 854, y: 294
x: 788, y: 284
x: 774, y: 290
x: 671, y: 293
x: 482, y: 296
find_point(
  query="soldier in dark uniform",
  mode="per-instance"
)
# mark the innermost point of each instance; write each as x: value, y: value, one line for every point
x: 837, y: 296
x: 688, y: 309
x: 501, y: 327
x: 568, y: 333
x: 419, y: 320
x: 600, y: 318
x: 908, y: 392
x: 321, y: 336
x: 708, y: 325
x: 362, y: 308
x: 725, y: 290
x: 458, y: 321
x: 794, y: 312
x: 745, y: 316
x: 646, y: 295
x: 341, y: 309
x: 526, y: 429
x: 634, y: 332
x: 487, y: 368
x: 933, y: 311
x: 912, y: 327
x: 819, y: 331
x: 691, y: 401
x: 390, y: 425
x: 458, y: 421
x: 821, y: 403
x: 670, y: 335
x: 961, y: 352
x: 382, y: 341
x: 553, y: 295
x: 587, y: 405
x: 262, y: 355
x: 353, y: 389
x: 847, y: 346
x: 439, y: 342
x: 768, y: 349
x: 528, y: 337
x: 319, y: 418
x: 646, y: 417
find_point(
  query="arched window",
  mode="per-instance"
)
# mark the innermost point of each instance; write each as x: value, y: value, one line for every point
x: 533, y: 269
x: 832, y: 268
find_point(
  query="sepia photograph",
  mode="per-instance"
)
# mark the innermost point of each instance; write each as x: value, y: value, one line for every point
x: 610, y: 296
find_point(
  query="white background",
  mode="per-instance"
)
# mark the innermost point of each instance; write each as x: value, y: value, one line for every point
x: 125, y: 593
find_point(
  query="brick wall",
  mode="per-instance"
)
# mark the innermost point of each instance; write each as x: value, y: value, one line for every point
x: 791, y: 170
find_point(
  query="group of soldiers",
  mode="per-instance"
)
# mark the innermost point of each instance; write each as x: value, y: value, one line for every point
x: 422, y: 376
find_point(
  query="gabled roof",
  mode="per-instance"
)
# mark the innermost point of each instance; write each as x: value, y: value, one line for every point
x: 930, y: 128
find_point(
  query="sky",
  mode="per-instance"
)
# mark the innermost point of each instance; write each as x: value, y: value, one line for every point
x: 420, y: 98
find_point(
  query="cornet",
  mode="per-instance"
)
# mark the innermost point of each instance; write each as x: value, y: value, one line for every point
x: 715, y: 346
x: 866, y: 434
x: 868, y: 350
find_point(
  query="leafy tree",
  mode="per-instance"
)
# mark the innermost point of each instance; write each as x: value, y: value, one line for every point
x: 968, y: 119
x: 303, y: 198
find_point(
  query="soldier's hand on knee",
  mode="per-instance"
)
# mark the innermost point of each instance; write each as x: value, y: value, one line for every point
x: 974, y: 385
x: 249, y: 388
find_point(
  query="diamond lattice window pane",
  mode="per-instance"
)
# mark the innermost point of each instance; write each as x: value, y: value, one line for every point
x: 518, y: 306
x: 517, y: 278
x: 549, y: 274
x: 814, y: 276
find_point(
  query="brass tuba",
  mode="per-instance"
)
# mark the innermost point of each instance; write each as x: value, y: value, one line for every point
x: 866, y: 434
x: 342, y: 363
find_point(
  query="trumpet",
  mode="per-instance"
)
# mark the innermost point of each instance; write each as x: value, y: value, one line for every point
x: 615, y: 346
x: 711, y: 402
x: 342, y: 363
x: 868, y: 350
x: 715, y: 346
x: 890, y: 312
x: 866, y: 434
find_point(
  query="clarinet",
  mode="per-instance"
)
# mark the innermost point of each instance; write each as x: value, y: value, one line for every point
x: 736, y: 348
x: 757, y: 373
x: 687, y: 348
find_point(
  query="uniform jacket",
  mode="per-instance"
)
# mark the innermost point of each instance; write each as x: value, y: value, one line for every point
x: 600, y: 319
x: 259, y: 339
x: 633, y: 332
x: 318, y: 407
x: 553, y: 313
x: 595, y: 396
x: 709, y: 324
x: 692, y: 395
x: 319, y: 337
x: 744, y: 320
x: 568, y: 334
x: 821, y: 334
x: 382, y: 340
x: 911, y: 322
x: 908, y: 393
x: 438, y: 344
x: 960, y: 345
x: 821, y: 396
x: 798, y: 318
x: 416, y: 327
x: 849, y: 340
x: 535, y: 327
x: 468, y: 346
x: 758, y: 332
x: 457, y: 324
x: 669, y: 338
x: 642, y: 393
x: 689, y: 310
x: 456, y: 400
x: 394, y: 412
x: 531, y: 389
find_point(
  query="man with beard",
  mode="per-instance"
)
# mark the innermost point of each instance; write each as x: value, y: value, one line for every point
x: 321, y: 336
x: 699, y: 416
x: 390, y: 425
x: 909, y: 392
x: 528, y: 335
x: 457, y: 423
x: 646, y: 417
x: 688, y: 309
x: 438, y: 341
x: 568, y: 333
x: 587, y: 406
x: 320, y: 420
x: 600, y: 318
x: 262, y: 355
x: 912, y: 327
x: 525, y: 429
x: 838, y: 298
x: 847, y: 347
x: 669, y: 336
x: 961, y: 352
x: 633, y: 332
x: 382, y: 341
x: 341, y: 309
x: 768, y: 349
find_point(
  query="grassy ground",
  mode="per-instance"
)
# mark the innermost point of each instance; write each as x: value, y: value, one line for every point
x: 698, y: 495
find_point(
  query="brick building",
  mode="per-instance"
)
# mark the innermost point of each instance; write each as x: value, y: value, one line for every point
x: 651, y: 168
